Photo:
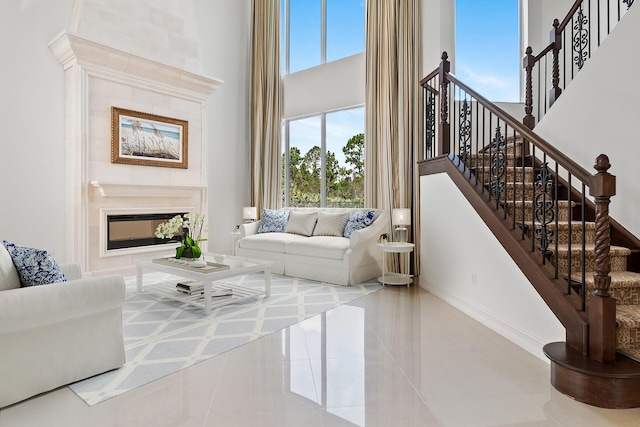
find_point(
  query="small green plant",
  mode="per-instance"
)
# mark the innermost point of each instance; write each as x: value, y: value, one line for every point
x: 190, y: 231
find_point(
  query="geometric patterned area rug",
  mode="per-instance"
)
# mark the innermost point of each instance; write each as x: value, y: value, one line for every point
x: 163, y: 335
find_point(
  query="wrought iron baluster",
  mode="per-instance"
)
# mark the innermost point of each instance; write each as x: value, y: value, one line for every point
x: 430, y: 131
x: 628, y: 3
x: 544, y: 213
x: 498, y: 161
x: 580, y: 38
x: 465, y: 131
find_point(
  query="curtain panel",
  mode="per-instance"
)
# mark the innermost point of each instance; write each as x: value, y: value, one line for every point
x: 392, y: 109
x: 266, y: 105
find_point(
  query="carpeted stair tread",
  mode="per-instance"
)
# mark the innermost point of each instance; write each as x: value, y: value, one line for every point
x: 563, y: 209
x: 632, y: 353
x: 628, y: 333
x: 576, y: 250
x: 625, y: 286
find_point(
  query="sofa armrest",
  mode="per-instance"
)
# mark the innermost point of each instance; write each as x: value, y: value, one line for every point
x: 249, y: 228
x: 35, y: 306
x: 370, y: 234
x: 71, y: 271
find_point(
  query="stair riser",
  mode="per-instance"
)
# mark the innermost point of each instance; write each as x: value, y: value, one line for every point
x: 628, y: 337
x: 519, y: 188
x: 510, y: 174
x: 618, y: 262
x: 563, y: 234
x: 563, y: 212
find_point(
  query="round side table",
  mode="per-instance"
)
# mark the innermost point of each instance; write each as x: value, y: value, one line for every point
x: 392, y: 278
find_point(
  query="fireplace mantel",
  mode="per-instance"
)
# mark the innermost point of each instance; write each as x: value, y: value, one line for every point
x: 112, y: 189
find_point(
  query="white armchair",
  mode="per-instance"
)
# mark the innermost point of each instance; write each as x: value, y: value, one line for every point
x: 53, y: 335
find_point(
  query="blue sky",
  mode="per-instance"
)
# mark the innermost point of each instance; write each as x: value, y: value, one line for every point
x: 487, y: 56
x: 487, y: 53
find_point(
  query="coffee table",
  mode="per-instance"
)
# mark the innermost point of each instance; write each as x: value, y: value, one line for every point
x: 219, y: 267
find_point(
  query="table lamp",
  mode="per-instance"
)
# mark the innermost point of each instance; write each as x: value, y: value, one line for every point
x: 400, y: 218
x: 249, y: 213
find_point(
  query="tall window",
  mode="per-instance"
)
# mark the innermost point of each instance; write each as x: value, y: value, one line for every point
x: 488, y: 48
x: 323, y: 160
x: 318, y: 31
x: 323, y: 154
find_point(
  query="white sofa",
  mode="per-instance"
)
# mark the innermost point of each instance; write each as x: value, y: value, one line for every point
x: 56, y: 334
x: 338, y: 260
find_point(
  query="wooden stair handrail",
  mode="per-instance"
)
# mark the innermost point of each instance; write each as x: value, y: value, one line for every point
x: 564, y: 161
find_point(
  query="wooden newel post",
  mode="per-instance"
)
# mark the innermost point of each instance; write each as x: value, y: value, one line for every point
x: 555, y: 39
x: 444, y: 127
x: 602, y: 308
x: 528, y: 62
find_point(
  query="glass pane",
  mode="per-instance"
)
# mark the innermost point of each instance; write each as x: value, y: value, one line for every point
x: 345, y: 28
x: 304, y: 39
x: 345, y: 158
x: 494, y: 72
x: 305, y: 162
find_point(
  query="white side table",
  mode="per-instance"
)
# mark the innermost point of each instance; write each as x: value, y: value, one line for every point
x: 235, y: 236
x: 391, y: 278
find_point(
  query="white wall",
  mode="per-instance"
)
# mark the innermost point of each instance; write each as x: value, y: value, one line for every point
x: 438, y: 32
x: 32, y: 122
x: 597, y: 113
x: 224, y: 30
x: 332, y: 86
x: 456, y: 246
x: 32, y: 119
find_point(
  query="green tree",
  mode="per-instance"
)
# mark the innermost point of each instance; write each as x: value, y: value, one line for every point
x: 354, y: 154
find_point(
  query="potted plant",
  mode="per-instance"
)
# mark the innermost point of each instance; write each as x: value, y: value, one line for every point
x: 189, y: 230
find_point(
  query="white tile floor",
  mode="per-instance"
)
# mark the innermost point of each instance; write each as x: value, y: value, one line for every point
x: 398, y: 357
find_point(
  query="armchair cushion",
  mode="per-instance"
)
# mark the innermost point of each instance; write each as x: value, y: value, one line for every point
x: 35, y: 266
x: 8, y: 275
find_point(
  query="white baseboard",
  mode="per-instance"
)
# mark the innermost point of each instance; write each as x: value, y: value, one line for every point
x: 501, y: 326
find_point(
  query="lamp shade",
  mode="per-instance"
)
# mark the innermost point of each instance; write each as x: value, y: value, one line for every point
x: 249, y: 212
x: 401, y: 216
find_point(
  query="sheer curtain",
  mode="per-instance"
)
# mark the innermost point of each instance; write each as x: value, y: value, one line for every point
x: 265, y: 105
x: 392, y: 143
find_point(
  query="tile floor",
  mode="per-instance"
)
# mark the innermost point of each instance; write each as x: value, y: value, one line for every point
x: 397, y: 357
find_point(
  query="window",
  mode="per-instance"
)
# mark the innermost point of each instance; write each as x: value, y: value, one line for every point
x: 494, y: 72
x: 323, y: 160
x: 314, y: 32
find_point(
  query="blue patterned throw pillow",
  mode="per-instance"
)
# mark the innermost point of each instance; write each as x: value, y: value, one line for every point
x: 362, y: 218
x: 35, y: 266
x: 273, y: 221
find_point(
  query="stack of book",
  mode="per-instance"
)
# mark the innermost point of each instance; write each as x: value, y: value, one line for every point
x: 197, y: 288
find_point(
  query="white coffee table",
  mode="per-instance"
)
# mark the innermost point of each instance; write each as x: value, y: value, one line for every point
x: 388, y: 278
x: 210, y: 276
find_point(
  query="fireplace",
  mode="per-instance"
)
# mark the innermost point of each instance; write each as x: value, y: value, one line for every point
x: 136, y: 230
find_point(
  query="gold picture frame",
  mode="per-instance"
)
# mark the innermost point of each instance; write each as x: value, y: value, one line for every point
x: 148, y: 139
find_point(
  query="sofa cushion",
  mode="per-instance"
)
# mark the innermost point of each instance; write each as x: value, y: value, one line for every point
x: 273, y: 221
x: 301, y: 223
x: 8, y: 274
x: 269, y: 242
x: 319, y: 247
x: 360, y: 219
x: 331, y: 224
x: 35, y: 266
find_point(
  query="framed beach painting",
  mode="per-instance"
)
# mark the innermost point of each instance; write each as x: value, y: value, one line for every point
x: 148, y: 139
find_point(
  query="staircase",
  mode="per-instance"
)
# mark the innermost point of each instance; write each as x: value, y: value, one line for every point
x: 566, y: 241
x: 552, y: 216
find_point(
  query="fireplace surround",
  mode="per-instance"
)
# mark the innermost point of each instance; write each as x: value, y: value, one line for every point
x: 97, y: 78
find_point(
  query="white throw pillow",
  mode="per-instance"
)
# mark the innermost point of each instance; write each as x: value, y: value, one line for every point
x: 301, y: 223
x: 331, y: 224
